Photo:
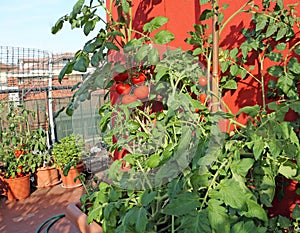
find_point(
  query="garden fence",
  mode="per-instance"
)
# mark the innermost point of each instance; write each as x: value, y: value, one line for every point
x: 30, y: 77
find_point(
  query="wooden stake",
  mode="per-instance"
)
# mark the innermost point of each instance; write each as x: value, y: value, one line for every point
x: 215, y: 63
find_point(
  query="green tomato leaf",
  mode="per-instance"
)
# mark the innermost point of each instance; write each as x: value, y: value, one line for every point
x: 296, y: 212
x: 147, y: 197
x: 195, y: 223
x: 288, y: 169
x: 272, y: 28
x: 281, y: 46
x: 242, y: 166
x: 281, y: 33
x: 136, y: 217
x: 250, y: 110
x: 232, y: 194
x: 262, y: 21
x: 142, y: 52
x: 204, y: 1
x: 295, y: 106
x: 274, y: 56
x: 276, y: 71
x: 153, y: 161
x: 163, y: 37
x: 218, y: 217
x: 182, y: 204
x: 246, y: 227
x: 233, y: 53
x: 254, y: 210
x: 294, y: 65
x: 141, y: 220
x: 234, y: 69
x: 153, y: 56
x: 132, y: 45
x: 297, y: 50
x: 155, y: 23
x: 230, y: 84
x: 125, y: 6
x: 285, y: 82
x: 274, y: 147
x: 206, y: 14
x: 197, y: 51
x: 258, y: 148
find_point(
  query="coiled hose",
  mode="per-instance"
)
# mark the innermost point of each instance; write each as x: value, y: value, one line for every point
x: 50, y: 222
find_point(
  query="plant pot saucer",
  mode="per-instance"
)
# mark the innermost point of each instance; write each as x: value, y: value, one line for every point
x: 49, y: 185
x: 70, y: 186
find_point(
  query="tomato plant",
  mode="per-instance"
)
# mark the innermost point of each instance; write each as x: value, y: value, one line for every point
x: 141, y: 92
x: 123, y: 88
x: 138, y: 78
x: 217, y: 170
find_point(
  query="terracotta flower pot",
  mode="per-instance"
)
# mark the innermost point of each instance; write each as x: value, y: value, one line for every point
x: 68, y: 181
x: 18, y: 188
x: 46, y: 177
x: 79, y: 219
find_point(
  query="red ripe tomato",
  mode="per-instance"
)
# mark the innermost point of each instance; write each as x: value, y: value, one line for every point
x: 138, y: 78
x: 123, y: 88
x: 202, y: 81
x: 141, y: 92
x: 127, y: 99
x: 121, y: 77
x: 202, y: 98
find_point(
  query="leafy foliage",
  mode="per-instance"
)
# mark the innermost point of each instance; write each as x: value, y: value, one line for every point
x: 22, y: 148
x: 180, y: 172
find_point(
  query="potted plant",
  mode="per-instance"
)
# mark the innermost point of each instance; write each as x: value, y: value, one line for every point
x: 15, y: 150
x: 67, y: 157
x: 186, y: 175
x: 45, y: 173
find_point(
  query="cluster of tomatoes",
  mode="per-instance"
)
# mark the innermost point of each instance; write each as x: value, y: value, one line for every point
x: 202, y: 81
x: 18, y: 153
x: 131, y: 86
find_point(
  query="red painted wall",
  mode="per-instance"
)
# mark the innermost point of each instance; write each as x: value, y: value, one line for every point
x: 183, y: 14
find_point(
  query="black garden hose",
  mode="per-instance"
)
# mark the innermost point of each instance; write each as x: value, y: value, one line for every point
x: 50, y: 222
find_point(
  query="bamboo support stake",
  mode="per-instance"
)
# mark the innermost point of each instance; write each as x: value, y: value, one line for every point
x: 215, y: 63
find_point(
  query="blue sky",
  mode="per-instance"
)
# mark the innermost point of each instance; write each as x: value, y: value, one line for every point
x: 28, y: 24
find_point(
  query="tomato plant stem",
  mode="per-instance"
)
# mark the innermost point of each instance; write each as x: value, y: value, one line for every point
x: 212, y: 183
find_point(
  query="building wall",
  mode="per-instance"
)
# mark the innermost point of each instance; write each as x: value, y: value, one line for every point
x: 183, y: 14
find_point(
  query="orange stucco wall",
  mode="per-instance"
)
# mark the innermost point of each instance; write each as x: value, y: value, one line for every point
x: 183, y: 14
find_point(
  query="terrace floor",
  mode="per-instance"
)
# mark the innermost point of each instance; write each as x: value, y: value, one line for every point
x: 27, y: 215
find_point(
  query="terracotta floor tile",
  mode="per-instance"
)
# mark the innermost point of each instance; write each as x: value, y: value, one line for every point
x: 25, y: 216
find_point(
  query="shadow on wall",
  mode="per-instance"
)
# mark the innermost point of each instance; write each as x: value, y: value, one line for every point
x: 143, y: 11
